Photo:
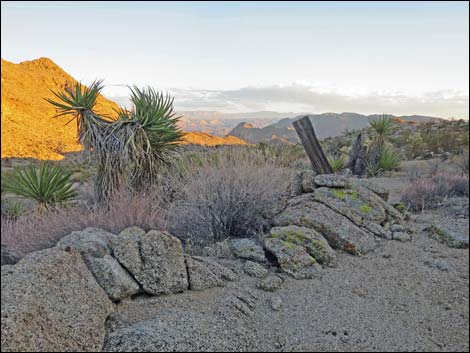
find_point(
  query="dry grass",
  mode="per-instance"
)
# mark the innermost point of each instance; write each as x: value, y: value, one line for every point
x: 42, y: 230
x: 432, y: 192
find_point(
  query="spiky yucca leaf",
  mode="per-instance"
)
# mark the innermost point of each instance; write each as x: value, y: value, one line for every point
x: 337, y: 163
x: 389, y: 159
x: 79, y: 101
x: 48, y: 185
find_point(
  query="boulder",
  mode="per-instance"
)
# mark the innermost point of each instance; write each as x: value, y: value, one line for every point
x: 374, y: 187
x: 450, y: 237
x: 90, y: 242
x: 401, y: 236
x: 331, y: 180
x: 248, y: 249
x: 254, y: 269
x: 338, y: 230
x: 315, y: 244
x: 126, y: 249
x: 51, y: 302
x: 154, y: 259
x: 204, y: 273
x: 292, y: 259
x: 270, y: 283
x: 308, y: 181
x: 358, y: 209
x: 115, y: 280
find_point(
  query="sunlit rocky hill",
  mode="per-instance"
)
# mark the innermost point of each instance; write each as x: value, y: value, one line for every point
x: 28, y: 129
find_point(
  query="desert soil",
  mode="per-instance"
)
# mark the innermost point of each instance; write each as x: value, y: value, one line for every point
x: 406, y: 296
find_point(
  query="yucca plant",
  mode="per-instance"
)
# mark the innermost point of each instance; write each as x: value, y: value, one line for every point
x: 382, y: 128
x: 48, y: 185
x: 128, y: 149
x: 337, y: 162
x: 389, y: 159
x: 372, y: 169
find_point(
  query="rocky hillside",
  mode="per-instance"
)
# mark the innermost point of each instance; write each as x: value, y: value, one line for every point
x: 326, y: 125
x: 28, y: 130
x: 27, y: 127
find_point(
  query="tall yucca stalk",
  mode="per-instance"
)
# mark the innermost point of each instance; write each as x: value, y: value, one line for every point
x: 128, y: 149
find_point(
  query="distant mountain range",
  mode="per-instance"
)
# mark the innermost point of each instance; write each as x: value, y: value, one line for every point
x: 325, y: 125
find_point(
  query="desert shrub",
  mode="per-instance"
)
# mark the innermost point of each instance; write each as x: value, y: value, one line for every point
x: 234, y: 194
x: 48, y: 185
x: 414, y: 146
x: 462, y: 161
x: 432, y: 192
x: 36, y: 231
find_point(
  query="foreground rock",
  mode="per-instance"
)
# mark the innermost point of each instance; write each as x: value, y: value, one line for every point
x: 293, y: 259
x: 115, y: 280
x: 248, y: 249
x: 331, y: 180
x: 88, y: 242
x: 204, y: 273
x: 338, y: 230
x: 51, y: 302
x: 315, y: 244
x: 155, y: 260
x: 448, y: 236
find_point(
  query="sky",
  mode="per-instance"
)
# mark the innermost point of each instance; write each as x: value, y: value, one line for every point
x: 367, y: 57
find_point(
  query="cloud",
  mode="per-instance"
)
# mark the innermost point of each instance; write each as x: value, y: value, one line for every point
x: 305, y: 98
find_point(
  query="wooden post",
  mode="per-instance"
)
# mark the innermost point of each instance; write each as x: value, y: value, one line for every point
x: 312, y: 147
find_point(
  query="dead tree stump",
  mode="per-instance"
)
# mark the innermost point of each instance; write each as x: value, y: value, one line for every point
x: 357, y: 157
x: 312, y: 147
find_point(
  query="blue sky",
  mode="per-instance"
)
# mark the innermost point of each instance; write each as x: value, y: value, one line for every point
x: 335, y: 56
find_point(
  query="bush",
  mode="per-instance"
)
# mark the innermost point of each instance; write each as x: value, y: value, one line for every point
x: 37, y: 231
x: 233, y: 195
x: 430, y: 193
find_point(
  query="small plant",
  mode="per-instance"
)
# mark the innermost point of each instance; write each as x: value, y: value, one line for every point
x: 372, y: 169
x: 48, y: 185
x: 388, y: 159
x: 337, y: 163
x: 12, y: 209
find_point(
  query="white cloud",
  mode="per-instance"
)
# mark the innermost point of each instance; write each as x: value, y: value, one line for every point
x: 314, y: 99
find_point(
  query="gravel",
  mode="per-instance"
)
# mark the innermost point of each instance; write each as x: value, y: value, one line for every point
x: 388, y: 300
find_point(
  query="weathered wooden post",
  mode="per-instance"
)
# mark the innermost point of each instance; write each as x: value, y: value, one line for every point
x: 312, y: 147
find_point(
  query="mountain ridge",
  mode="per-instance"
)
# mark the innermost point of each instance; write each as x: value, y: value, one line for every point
x: 325, y: 124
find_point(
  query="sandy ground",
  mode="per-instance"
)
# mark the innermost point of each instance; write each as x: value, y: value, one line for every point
x: 410, y: 296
